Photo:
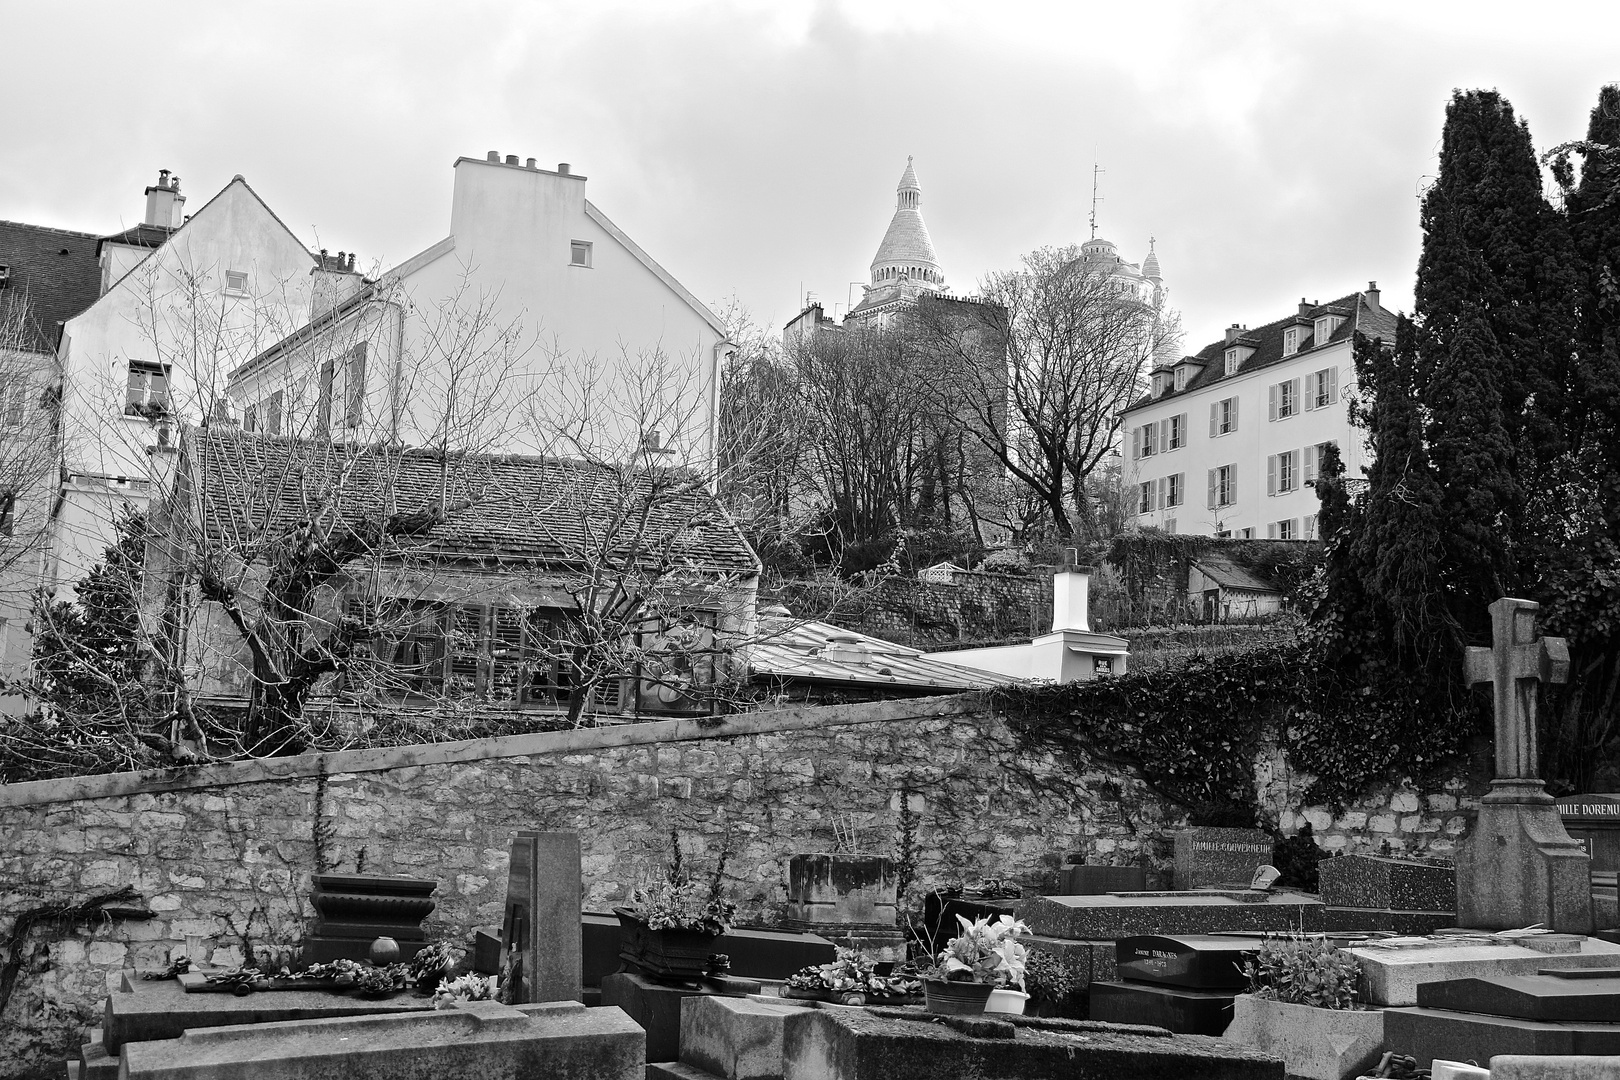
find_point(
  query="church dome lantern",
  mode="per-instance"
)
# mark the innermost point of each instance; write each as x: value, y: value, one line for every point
x: 906, y: 255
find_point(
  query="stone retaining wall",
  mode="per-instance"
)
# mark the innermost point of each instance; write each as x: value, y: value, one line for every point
x: 226, y: 851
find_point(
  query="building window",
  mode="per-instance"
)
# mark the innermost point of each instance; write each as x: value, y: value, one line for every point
x: 1286, y: 529
x: 8, y: 511
x: 1172, y: 490
x: 147, y: 392
x: 1291, y: 341
x: 505, y: 655
x: 678, y: 668
x: 1181, y: 378
x: 1145, y: 494
x: 1322, y: 388
x: 579, y: 253
x: 1231, y: 361
x: 14, y: 404
x: 269, y: 413
x: 1170, y: 525
x: 1283, y: 399
x: 1222, y: 486
x: 1325, y: 327
x: 236, y: 282
x: 1158, y: 384
x: 1282, y: 473
x: 1313, y: 460
x: 1173, y: 435
x: 1310, y: 527
x: 1223, y: 417
x: 1246, y: 534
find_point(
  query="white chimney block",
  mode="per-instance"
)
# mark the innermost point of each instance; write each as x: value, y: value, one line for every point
x: 1071, y: 589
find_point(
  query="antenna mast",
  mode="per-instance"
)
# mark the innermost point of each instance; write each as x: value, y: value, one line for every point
x: 1095, y: 198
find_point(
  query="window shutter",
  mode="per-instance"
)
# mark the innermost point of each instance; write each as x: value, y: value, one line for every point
x: 323, y: 405
x: 1184, y: 428
x: 1212, y: 489
x: 1136, y: 443
x: 355, y: 386
x: 1271, y: 397
x: 1271, y: 474
x: 1310, y: 464
x: 1234, y: 413
x: 1214, y: 419
x: 1310, y: 392
x: 1271, y: 531
x: 1333, y: 385
x: 273, y: 419
x: 1164, y: 435
x: 1296, y: 395
x: 1164, y: 492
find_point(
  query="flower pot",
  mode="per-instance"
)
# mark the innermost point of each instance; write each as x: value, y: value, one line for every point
x: 956, y: 997
x: 666, y: 955
x: 1006, y: 1001
x: 1322, y: 1044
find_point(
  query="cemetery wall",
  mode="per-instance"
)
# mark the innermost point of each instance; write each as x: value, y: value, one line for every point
x: 225, y: 852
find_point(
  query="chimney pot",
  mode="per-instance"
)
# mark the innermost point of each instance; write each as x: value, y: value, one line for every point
x: 493, y: 155
x: 562, y: 168
x: 511, y: 159
x: 529, y: 164
x: 351, y: 260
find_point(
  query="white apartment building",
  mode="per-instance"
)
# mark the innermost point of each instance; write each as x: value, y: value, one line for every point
x: 1228, y: 440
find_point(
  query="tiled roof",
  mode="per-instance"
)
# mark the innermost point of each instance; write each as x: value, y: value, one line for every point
x: 821, y: 652
x: 143, y: 235
x: 1229, y: 575
x: 1267, y: 342
x: 546, y: 511
x: 56, y: 270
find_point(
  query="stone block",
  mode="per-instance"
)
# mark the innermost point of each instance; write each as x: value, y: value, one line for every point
x: 1373, y: 881
x: 1117, y: 915
x: 1554, y: 1067
x: 541, y: 927
x: 1175, y: 1008
x: 1211, y: 856
x: 1390, y: 920
x: 1093, y: 880
x: 1438, y: 1033
x: 482, y: 1038
x: 733, y: 1038
x: 888, y: 1044
x: 1391, y: 977
x: 1519, y: 867
x: 162, y: 1010
x: 1554, y: 997
x: 656, y: 1008
x: 1319, y: 1044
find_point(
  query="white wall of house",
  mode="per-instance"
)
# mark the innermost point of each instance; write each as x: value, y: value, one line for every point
x: 179, y: 309
x: 562, y: 307
x: 1178, y: 442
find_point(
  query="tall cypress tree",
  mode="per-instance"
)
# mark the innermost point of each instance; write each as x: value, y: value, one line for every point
x: 1493, y: 356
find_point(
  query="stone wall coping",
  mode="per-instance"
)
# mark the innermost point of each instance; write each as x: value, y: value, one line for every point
x: 383, y: 759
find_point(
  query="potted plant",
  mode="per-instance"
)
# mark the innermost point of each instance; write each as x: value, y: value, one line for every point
x: 669, y: 928
x: 433, y: 964
x: 983, y: 959
x: 852, y: 979
x: 1301, y: 1007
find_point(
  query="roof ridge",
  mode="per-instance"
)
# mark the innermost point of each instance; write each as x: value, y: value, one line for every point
x: 50, y: 229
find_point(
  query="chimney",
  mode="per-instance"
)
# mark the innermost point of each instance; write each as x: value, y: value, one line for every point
x: 1305, y: 308
x: 1232, y: 333
x: 493, y: 155
x: 562, y: 168
x: 528, y: 163
x: 1071, y: 588
x: 1372, y: 295
x: 511, y: 159
x: 164, y: 203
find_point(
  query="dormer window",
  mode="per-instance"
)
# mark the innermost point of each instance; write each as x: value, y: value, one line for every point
x: 1233, y: 359
x: 1291, y: 341
x: 1181, y: 378
x: 1158, y: 384
x: 1325, y: 327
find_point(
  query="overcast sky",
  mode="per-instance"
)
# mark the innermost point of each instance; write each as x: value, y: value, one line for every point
x: 1274, y: 150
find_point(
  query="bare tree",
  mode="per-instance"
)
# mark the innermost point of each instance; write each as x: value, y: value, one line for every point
x: 1037, y: 371
x: 29, y: 446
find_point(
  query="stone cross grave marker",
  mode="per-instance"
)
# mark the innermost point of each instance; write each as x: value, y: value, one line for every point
x: 540, y: 932
x: 1518, y: 867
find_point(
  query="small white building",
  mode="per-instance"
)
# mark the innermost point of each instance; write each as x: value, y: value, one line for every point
x: 182, y: 299
x: 1227, y: 441
x: 1070, y: 653
x: 533, y: 309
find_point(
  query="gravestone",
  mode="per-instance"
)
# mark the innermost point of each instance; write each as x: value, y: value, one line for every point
x: 1518, y: 866
x: 540, y: 933
x: 1594, y: 821
x: 1185, y: 983
x: 1211, y: 856
x: 849, y: 899
x: 1591, y: 996
x: 1085, y: 879
x: 353, y: 910
x: 1121, y: 915
x: 1376, y: 881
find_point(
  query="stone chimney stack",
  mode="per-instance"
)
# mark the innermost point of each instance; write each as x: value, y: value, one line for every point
x: 1372, y: 295
x: 165, y: 206
x: 1071, y: 587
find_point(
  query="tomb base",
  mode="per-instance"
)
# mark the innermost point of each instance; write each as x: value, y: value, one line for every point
x: 1519, y: 867
x: 1185, y: 1012
x: 1457, y: 1036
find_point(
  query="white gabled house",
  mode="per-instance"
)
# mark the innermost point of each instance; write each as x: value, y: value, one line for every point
x: 534, y: 304
x: 1227, y: 441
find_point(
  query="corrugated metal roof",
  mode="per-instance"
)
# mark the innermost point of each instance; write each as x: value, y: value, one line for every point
x: 804, y: 649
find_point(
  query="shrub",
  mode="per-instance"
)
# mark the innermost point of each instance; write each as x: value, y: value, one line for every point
x: 1302, y: 971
